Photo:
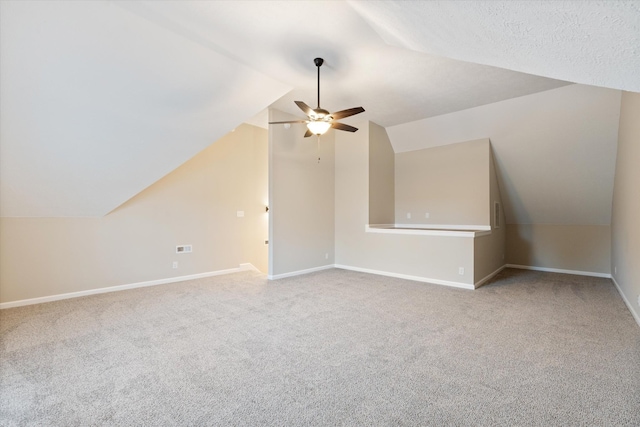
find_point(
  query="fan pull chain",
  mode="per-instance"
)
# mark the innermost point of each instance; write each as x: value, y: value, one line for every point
x: 318, y: 148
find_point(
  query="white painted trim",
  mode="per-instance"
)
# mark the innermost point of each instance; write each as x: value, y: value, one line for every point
x: 407, y: 277
x: 436, y: 226
x: 559, y: 270
x: 247, y: 266
x: 40, y: 300
x: 424, y: 232
x: 299, y: 272
x: 489, y: 277
x: 635, y: 315
x: 445, y: 227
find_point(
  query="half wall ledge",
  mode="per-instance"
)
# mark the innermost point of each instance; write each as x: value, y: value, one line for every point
x: 431, y: 229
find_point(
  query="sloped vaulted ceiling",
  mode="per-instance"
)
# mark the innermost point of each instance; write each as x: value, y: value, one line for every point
x: 97, y: 103
x: 100, y: 99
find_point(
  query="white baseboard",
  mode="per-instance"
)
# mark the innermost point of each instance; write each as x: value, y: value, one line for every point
x: 40, y: 300
x: 635, y: 314
x: 247, y: 266
x: 558, y: 270
x: 489, y: 277
x: 407, y: 277
x: 300, y: 272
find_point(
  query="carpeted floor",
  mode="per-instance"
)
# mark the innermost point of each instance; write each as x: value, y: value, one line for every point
x: 330, y: 348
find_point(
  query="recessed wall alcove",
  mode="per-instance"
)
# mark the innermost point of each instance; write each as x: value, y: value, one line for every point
x: 441, y: 194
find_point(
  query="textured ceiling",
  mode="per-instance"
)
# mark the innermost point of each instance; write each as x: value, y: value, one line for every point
x: 100, y: 99
x: 590, y: 42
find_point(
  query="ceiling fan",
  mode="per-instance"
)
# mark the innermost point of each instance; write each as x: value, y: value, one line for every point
x: 321, y: 120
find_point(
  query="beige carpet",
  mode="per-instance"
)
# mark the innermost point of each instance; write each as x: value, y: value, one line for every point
x: 330, y: 348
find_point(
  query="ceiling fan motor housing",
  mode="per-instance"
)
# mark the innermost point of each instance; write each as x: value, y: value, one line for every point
x: 322, y: 114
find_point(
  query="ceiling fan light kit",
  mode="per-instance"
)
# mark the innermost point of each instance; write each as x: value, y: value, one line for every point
x: 320, y: 120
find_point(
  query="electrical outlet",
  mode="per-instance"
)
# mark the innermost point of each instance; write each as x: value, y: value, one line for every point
x: 408, y: 215
x: 426, y: 215
x: 184, y: 249
x: 461, y: 271
x: 638, y: 300
x: 240, y: 214
x: 175, y: 264
x: 615, y: 270
x: 326, y: 256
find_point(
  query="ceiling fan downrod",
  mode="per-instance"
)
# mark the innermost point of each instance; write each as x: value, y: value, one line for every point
x: 318, y: 62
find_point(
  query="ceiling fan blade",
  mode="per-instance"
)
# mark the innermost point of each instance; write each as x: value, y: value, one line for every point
x: 342, y: 126
x: 308, y: 133
x: 288, y: 121
x: 305, y: 108
x: 346, y: 113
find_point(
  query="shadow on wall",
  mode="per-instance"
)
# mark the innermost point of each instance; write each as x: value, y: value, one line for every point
x: 578, y: 248
x: 511, y: 202
x: 519, y: 245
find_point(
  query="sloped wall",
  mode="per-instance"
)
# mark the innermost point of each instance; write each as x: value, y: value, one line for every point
x: 195, y: 204
x: 625, y: 224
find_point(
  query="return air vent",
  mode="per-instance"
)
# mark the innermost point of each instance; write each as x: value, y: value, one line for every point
x: 496, y: 215
x: 184, y: 249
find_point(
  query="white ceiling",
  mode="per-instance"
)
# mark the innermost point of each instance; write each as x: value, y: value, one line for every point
x: 100, y: 99
x: 97, y: 104
x: 590, y: 42
x: 394, y: 85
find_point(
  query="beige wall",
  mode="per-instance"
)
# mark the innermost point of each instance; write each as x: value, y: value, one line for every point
x: 381, y: 177
x: 625, y: 224
x: 555, y: 154
x: 301, y: 198
x: 585, y: 248
x: 195, y: 204
x: 449, y: 182
x: 430, y: 257
x: 555, y: 150
x: 490, y: 251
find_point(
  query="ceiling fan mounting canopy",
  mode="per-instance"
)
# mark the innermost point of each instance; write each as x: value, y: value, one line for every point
x: 320, y: 120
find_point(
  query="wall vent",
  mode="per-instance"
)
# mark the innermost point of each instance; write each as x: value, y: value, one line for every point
x: 184, y: 249
x: 496, y: 215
